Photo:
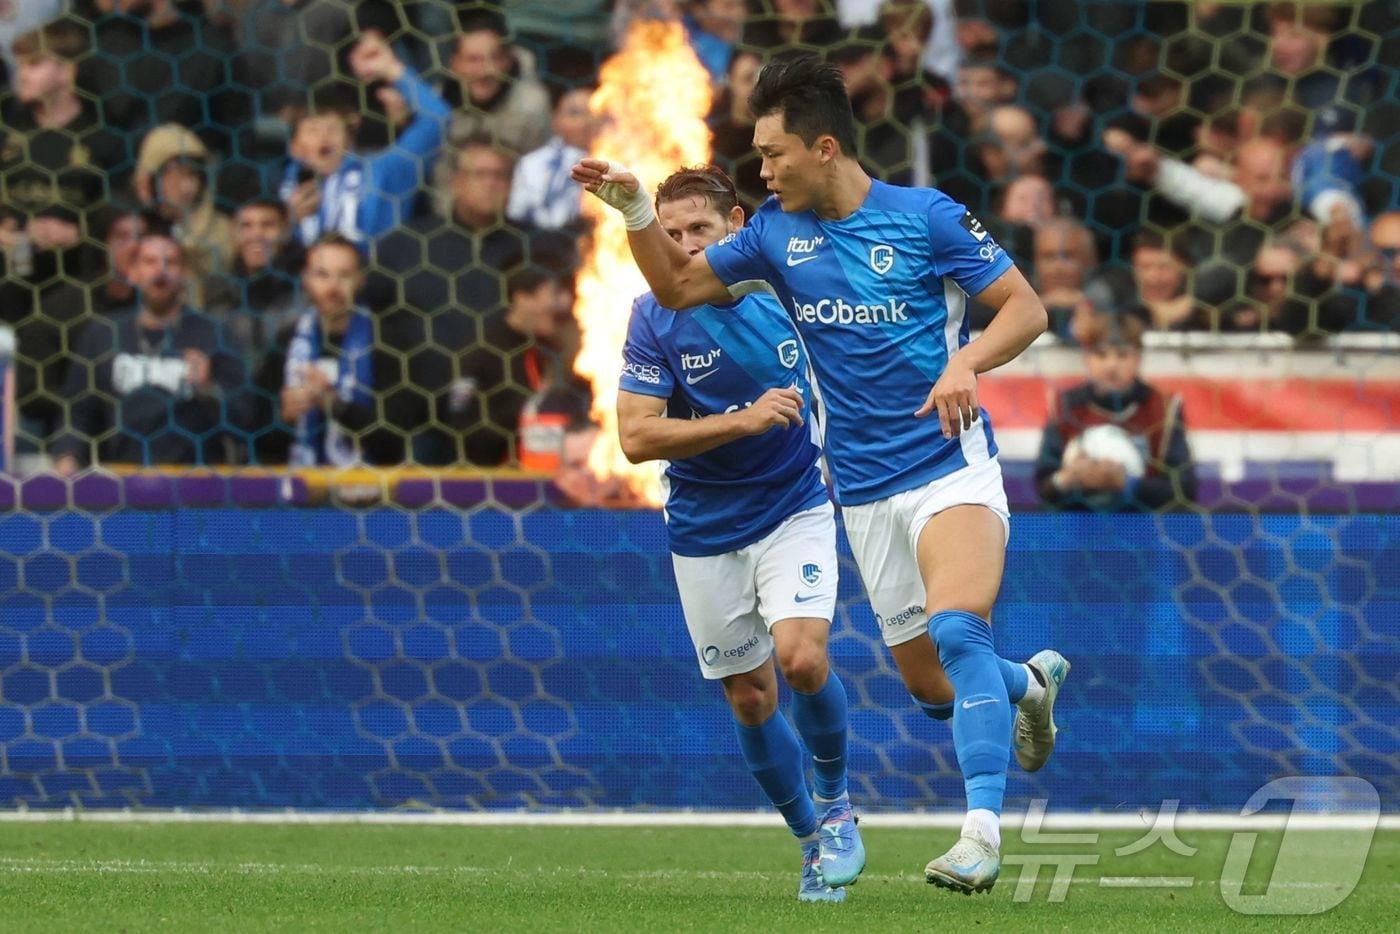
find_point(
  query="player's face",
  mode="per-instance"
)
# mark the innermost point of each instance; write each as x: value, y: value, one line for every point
x: 694, y: 223
x: 1113, y: 368
x: 790, y: 167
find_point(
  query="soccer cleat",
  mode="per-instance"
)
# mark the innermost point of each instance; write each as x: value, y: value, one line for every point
x: 842, y: 852
x: 813, y: 888
x: 1033, y: 734
x: 972, y: 865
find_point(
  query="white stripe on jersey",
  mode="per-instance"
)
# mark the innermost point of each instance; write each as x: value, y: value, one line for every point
x: 974, y: 440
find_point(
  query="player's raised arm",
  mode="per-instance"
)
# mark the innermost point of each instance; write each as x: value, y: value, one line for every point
x: 646, y: 434
x: 1020, y: 318
x: 678, y: 279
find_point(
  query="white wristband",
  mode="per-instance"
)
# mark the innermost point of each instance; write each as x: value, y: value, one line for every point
x: 635, y: 206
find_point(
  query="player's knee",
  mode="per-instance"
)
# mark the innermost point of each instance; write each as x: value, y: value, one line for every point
x: 804, y: 667
x: 958, y: 632
x: 750, y: 702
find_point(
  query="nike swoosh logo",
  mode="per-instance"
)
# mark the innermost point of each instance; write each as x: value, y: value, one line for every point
x: 968, y: 705
x: 798, y: 598
x: 691, y: 380
x: 799, y: 262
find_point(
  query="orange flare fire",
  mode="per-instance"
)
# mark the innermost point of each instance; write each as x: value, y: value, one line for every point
x: 653, y: 97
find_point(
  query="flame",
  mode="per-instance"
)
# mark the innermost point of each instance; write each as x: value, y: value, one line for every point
x: 653, y: 96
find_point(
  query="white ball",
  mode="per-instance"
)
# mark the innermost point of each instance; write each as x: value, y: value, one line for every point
x: 1109, y: 443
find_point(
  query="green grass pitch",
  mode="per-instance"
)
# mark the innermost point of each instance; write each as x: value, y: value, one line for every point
x: 140, y: 877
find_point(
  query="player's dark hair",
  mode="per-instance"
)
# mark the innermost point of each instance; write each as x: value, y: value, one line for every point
x: 705, y: 181
x: 810, y: 96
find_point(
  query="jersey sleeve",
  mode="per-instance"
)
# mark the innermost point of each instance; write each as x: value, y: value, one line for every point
x: 644, y: 367
x: 963, y: 249
x: 738, y: 259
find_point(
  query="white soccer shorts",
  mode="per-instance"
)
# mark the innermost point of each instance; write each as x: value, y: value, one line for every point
x: 884, y: 538
x: 731, y: 601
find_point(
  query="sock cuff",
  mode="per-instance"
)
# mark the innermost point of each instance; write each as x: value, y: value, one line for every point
x: 832, y: 682
x: 962, y: 615
x: 936, y: 711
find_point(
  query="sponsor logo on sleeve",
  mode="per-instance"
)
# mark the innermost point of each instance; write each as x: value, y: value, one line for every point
x: 973, y: 226
x: 642, y: 372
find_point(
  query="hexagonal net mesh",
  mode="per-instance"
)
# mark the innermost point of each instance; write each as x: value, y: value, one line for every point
x: 296, y: 501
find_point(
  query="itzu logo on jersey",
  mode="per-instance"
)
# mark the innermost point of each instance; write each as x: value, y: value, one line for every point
x: 700, y: 361
x: 713, y: 653
x: 839, y: 311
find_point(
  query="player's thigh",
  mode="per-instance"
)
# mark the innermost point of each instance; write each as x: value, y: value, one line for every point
x: 721, y: 613
x: 796, y: 571
x: 880, y: 542
x: 962, y: 553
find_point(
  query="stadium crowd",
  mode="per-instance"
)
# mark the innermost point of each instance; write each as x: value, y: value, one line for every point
x: 338, y: 232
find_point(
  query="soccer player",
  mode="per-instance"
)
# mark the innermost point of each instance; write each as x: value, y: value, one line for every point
x: 875, y: 277
x: 721, y: 393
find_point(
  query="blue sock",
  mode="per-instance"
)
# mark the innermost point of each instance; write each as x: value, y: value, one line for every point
x: 1014, y: 674
x: 774, y: 756
x: 821, y: 719
x: 982, y: 717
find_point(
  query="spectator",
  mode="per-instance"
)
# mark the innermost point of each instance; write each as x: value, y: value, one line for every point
x: 1159, y: 272
x: 542, y: 192
x: 731, y: 127
x: 116, y: 290
x: 1273, y: 298
x: 1011, y: 146
x: 161, y: 62
x: 445, y: 272
x: 20, y: 18
x: 714, y: 27
x: 883, y: 135
x: 53, y: 162
x: 495, y: 92
x: 328, y: 188
x: 1028, y: 200
x: 335, y: 377
x: 172, y: 179
x: 792, y: 23
x: 982, y: 86
x: 154, y: 385
x: 1371, y: 297
x: 1149, y: 466
x: 571, y: 35
x: 257, y: 297
x: 515, y: 395
x: 1064, y: 255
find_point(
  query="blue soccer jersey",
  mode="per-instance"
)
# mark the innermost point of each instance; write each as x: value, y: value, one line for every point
x: 709, y: 360
x: 879, y: 299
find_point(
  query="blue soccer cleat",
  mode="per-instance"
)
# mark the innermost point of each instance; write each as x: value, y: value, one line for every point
x: 843, y: 853
x: 813, y: 888
x: 1033, y: 735
x: 972, y: 865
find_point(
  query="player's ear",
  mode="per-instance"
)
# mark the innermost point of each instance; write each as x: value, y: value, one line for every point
x: 827, y: 148
x: 735, y: 219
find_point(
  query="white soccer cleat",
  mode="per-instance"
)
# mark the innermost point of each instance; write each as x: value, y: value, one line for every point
x: 1033, y: 734
x: 972, y: 865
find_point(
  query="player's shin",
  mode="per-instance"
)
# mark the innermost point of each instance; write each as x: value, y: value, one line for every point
x: 982, y: 715
x: 821, y: 720
x: 774, y: 756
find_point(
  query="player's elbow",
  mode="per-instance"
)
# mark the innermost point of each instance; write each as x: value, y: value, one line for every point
x: 1037, y: 318
x: 634, y: 447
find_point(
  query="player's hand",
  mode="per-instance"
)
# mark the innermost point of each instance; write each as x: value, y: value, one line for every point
x: 776, y: 408
x: 954, y: 397
x: 617, y: 187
